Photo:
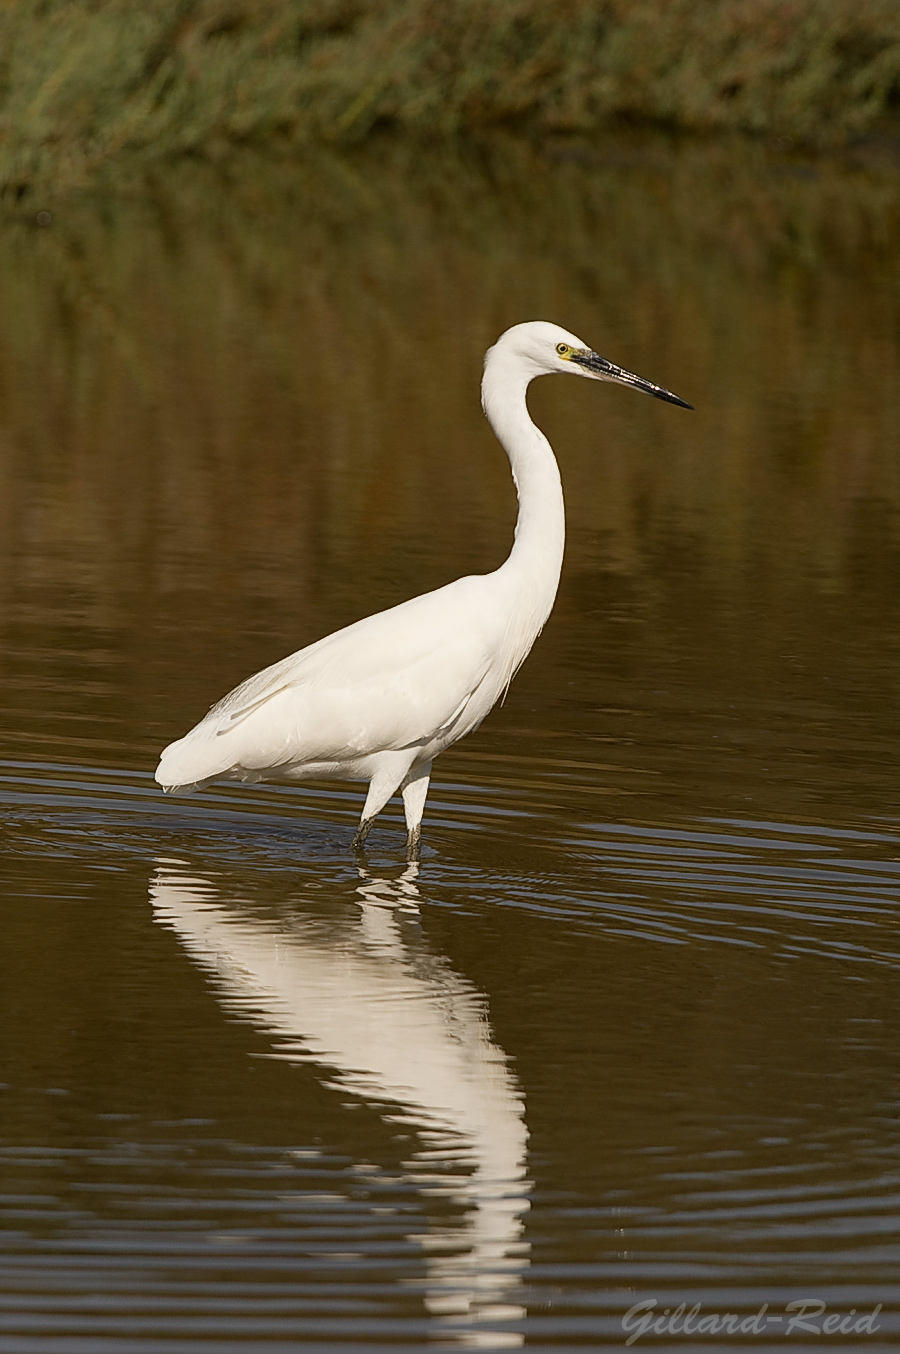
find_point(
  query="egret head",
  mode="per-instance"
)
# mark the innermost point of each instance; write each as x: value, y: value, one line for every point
x: 542, y: 348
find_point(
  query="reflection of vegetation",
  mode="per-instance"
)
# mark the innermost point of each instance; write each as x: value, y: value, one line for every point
x: 277, y: 374
x: 238, y: 406
x: 82, y: 80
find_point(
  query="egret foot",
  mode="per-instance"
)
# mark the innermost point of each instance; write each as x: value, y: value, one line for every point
x: 413, y: 842
x: 361, y: 833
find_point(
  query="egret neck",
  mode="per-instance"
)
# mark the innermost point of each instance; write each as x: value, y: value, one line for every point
x: 534, y: 563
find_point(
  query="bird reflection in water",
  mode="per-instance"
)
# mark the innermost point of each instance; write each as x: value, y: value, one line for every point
x: 406, y: 1032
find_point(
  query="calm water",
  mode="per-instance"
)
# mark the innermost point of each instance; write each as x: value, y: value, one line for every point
x: 630, y: 1031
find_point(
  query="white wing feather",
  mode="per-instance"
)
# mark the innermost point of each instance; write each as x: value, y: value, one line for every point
x: 390, y: 681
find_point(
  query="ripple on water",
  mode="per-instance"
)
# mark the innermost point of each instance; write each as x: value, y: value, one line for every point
x: 800, y: 887
x: 156, y: 1237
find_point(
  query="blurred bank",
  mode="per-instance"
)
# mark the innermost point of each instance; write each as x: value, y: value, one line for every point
x: 87, y: 83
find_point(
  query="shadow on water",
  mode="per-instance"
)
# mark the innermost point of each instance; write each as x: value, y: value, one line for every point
x: 656, y: 915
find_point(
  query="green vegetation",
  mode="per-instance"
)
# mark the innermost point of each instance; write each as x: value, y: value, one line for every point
x: 82, y: 81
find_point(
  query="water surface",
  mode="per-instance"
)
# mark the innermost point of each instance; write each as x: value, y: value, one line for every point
x: 630, y: 1030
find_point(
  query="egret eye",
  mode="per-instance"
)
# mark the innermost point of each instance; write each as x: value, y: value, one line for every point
x: 563, y: 349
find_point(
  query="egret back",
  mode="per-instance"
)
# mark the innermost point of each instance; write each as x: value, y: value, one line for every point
x: 398, y: 679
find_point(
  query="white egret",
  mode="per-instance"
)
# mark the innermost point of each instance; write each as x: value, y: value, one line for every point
x: 378, y: 700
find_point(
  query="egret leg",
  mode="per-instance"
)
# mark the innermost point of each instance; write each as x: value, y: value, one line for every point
x: 413, y: 843
x: 414, y: 790
x: 361, y: 833
x: 391, y: 774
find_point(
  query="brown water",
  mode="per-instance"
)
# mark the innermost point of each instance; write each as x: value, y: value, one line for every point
x: 630, y: 1031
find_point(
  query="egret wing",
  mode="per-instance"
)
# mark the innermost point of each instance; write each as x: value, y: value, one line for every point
x: 390, y: 681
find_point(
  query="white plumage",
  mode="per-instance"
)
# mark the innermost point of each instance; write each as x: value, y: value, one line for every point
x: 378, y: 700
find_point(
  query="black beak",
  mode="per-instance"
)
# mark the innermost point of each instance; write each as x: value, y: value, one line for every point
x: 608, y: 371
